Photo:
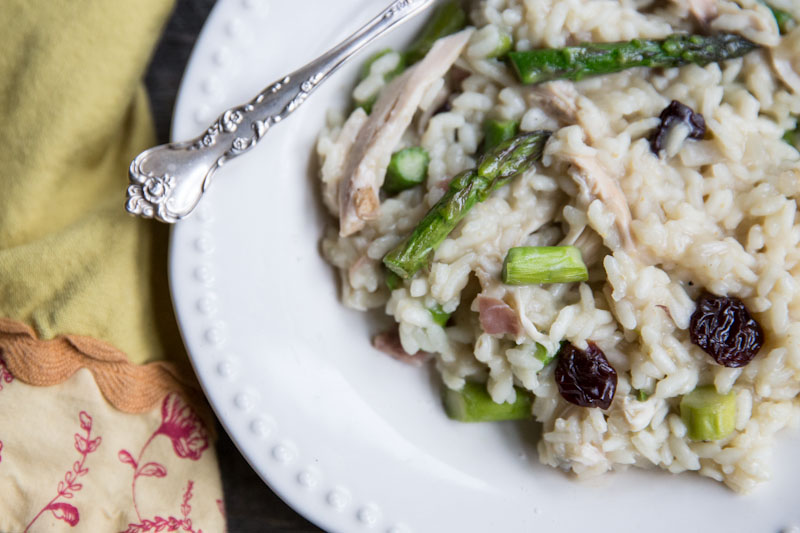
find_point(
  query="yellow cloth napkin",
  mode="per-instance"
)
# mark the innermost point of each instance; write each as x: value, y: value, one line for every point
x: 74, y: 113
x: 91, y: 437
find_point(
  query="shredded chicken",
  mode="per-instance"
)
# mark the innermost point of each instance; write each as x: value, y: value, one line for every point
x: 333, y: 167
x: 433, y: 107
x: 786, y: 60
x: 389, y: 343
x: 589, y: 243
x: 497, y: 317
x: 597, y: 182
x: 365, y: 169
x: 559, y: 99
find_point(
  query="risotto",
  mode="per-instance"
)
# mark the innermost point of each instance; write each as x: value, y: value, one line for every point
x: 667, y: 221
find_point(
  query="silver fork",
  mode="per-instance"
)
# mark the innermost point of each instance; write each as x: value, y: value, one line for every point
x: 167, y: 181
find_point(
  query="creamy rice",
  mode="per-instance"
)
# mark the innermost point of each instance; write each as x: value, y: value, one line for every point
x: 718, y: 213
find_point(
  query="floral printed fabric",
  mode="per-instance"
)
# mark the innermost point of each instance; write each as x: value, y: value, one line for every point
x: 69, y: 461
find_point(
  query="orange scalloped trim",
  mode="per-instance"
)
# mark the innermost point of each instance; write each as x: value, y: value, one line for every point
x: 128, y: 387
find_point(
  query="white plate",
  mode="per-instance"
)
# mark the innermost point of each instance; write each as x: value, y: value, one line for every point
x: 352, y: 439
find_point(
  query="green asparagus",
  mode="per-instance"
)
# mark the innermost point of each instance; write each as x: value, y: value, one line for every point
x: 592, y: 59
x: 495, y: 169
x: 407, y: 168
x: 707, y: 414
x: 448, y: 18
x: 497, y: 131
x: 527, y: 265
x: 473, y: 404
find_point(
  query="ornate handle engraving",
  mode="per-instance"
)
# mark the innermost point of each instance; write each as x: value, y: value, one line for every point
x: 167, y: 181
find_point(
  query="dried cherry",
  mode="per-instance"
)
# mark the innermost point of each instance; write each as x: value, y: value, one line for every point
x: 676, y: 113
x: 585, y: 378
x: 725, y: 329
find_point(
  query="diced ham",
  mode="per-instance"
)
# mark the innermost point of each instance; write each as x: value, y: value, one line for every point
x: 497, y: 317
x: 365, y: 169
x: 389, y: 343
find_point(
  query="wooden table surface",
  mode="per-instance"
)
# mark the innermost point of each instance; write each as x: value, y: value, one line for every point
x: 251, y: 506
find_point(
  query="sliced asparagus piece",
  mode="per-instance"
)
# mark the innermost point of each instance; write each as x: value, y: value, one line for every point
x: 473, y: 404
x: 527, y: 265
x: 407, y: 168
x: 448, y: 18
x: 707, y: 414
x: 497, y: 131
x: 494, y: 170
x: 592, y: 59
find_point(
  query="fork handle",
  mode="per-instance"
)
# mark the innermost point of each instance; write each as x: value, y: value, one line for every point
x: 167, y: 181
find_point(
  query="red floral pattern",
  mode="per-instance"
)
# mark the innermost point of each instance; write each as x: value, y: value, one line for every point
x: 69, y: 486
x: 189, y: 440
x: 170, y: 523
x: 183, y: 427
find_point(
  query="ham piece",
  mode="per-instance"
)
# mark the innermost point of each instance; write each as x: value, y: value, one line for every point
x: 389, y: 343
x: 497, y: 317
x: 365, y: 169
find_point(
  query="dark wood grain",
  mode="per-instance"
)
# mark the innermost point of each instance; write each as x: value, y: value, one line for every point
x: 250, y: 505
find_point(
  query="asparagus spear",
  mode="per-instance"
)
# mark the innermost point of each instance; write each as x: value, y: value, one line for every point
x: 497, y: 131
x: 592, y: 59
x: 495, y: 169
